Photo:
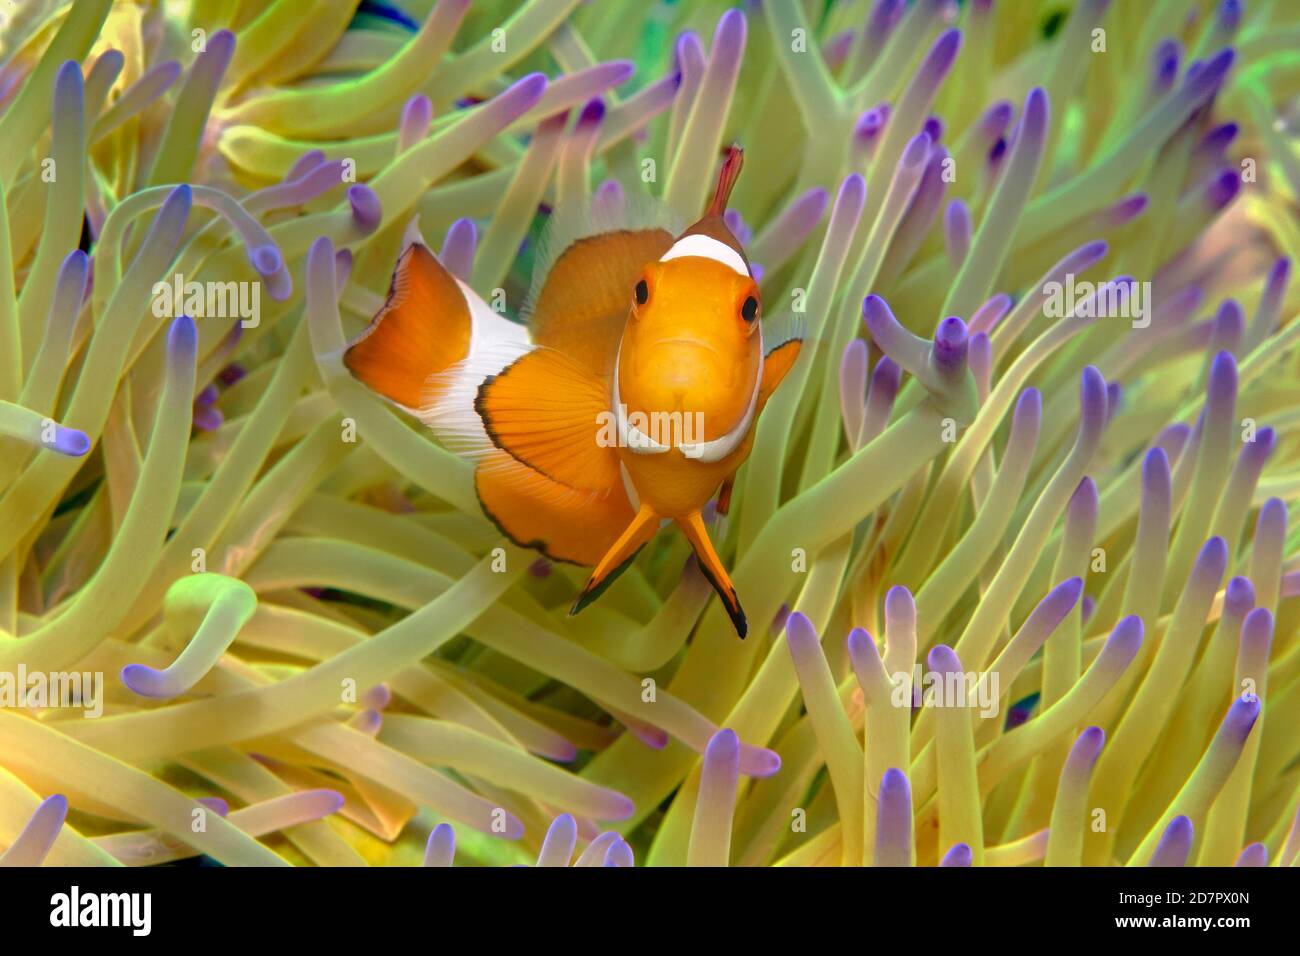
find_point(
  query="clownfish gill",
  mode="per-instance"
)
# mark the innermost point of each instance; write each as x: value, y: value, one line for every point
x: 631, y: 396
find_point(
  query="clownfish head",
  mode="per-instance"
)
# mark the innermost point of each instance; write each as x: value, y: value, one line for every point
x: 693, y: 342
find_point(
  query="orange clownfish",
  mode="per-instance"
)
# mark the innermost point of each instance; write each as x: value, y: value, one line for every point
x: 631, y: 397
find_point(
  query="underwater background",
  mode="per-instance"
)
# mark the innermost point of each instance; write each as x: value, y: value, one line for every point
x: 1039, y: 449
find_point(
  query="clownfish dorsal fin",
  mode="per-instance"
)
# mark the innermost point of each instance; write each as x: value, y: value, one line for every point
x: 581, y: 306
x: 587, y: 262
x: 732, y: 161
x: 710, y: 236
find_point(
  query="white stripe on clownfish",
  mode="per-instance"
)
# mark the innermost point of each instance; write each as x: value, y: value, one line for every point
x: 698, y: 244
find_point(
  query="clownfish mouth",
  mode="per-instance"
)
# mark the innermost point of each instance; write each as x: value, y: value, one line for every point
x: 634, y: 439
x: 696, y: 343
x: 684, y: 361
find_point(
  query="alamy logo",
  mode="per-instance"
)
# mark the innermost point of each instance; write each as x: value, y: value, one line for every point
x: 652, y: 431
x: 133, y: 910
x: 67, y: 689
x: 1088, y: 300
x: 938, y: 689
x: 209, y: 300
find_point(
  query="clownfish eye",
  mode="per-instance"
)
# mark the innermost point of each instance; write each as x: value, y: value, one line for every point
x: 642, y: 292
x: 749, y: 310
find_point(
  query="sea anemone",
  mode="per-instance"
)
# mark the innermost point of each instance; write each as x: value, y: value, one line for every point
x: 1013, y: 538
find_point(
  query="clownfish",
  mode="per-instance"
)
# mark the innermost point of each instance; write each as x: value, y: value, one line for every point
x: 631, y: 396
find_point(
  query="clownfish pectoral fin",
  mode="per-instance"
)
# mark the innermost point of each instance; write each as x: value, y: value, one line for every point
x: 776, y: 364
x: 553, y: 415
x: 618, y: 557
x: 693, y: 526
x: 582, y: 305
x: 535, y: 512
x: 422, y: 329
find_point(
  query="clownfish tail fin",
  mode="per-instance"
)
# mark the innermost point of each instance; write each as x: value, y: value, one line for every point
x: 422, y: 329
x: 732, y: 160
x: 618, y: 557
x: 693, y: 527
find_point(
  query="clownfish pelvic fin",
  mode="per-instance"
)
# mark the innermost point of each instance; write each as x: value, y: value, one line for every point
x: 618, y: 557
x: 641, y: 530
x: 697, y: 534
